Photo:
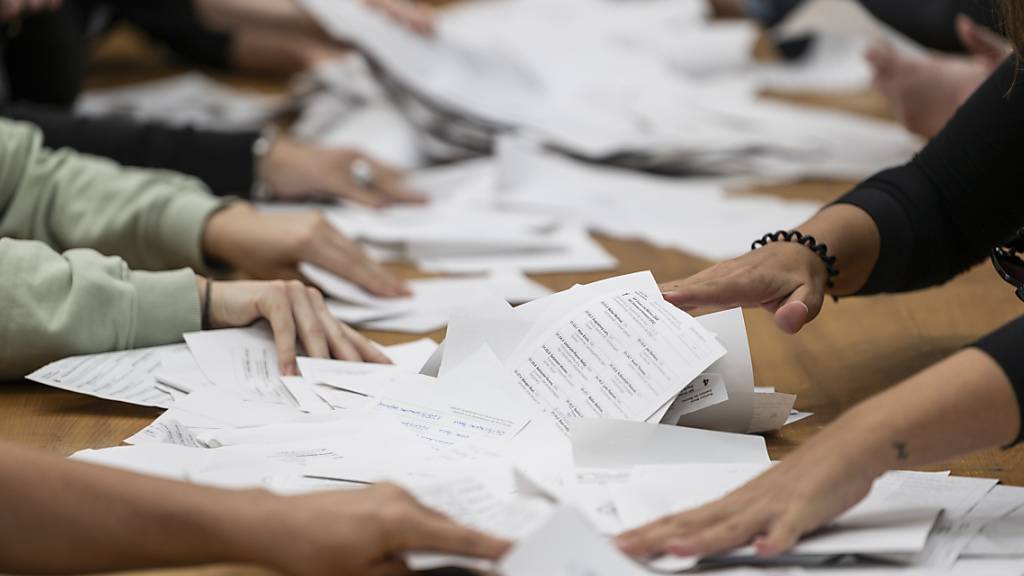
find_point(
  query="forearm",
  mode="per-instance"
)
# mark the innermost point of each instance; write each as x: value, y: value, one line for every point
x: 69, y: 517
x: 960, y: 405
x: 222, y: 160
x: 274, y: 14
x: 852, y: 237
x: 81, y: 302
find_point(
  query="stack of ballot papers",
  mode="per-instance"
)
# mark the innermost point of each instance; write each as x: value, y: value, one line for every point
x: 652, y: 84
x: 191, y: 99
x: 538, y: 424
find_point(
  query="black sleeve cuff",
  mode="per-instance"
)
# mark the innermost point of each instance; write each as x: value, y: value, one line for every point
x: 894, y: 229
x: 1006, y: 347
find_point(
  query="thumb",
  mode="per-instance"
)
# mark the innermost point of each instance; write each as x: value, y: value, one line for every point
x: 799, y: 308
x: 978, y: 40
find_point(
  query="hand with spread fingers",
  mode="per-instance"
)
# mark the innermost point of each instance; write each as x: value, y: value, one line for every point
x: 364, y: 532
x: 297, y: 314
x: 292, y: 170
x: 271, y: 246
x: 772, y: 512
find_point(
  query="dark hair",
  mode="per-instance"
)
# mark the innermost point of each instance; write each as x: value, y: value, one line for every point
x: 1013, y: 16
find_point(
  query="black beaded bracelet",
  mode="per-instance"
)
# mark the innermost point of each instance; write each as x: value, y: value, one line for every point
x: 796, y: 236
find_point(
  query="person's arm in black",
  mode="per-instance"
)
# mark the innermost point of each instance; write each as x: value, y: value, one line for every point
x: 932, y: 22
x: 941, y: 213
x: 223, y: 161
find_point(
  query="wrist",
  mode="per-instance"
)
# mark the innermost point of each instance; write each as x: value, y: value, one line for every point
x: 248, y: 527
x: 221, y: 235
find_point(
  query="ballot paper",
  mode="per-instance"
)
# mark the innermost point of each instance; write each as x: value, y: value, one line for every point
x: 126, y: 376
x: 772, y: 410
x: 1000, y: 535
x: 475, y: 504
x: 567, y: 545
x: 696, y: 216
x: 622, y: 352
x: 960, y: 522
x: 191, y: 99
x: 572, y: 249
x: 242, y: 361
x: 735, y: 368
x: 411, y: 355
x: 474, y: 402
x: 162, y: 460
x: 605, y: 443
x: 439, y: 295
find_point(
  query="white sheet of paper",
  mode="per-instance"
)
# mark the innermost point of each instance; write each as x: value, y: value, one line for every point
x: 305, y: 395
x: 241, y: 361
x: 605, y: 443
x: 162, y: 460
x: 126, y: 376
x: 736, y: 368
x: 1001, y: 534
x: 566, y: 545
x: 771, y: 412
x: 623, y: 354
x: 411, y: 355
x: 475, y: 504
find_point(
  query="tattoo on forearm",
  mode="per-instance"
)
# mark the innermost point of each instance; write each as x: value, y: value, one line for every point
x: 901, y: 450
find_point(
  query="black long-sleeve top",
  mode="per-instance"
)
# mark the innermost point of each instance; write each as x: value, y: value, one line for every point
x: 930, y: 22
x: 44, y: 62
x: 222, y: 160
x: 941, y: 214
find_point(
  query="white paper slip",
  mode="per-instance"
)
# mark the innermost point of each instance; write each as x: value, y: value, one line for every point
x: 305, y: 395
x: 736, y: 369
x: 430, y: 293
x: 126, y: 376
x: 1001, y: 535
x: 356, y: 377
x: 165, y: 430
x: 470, y: 403
x: 472, y: 503
x: 411, y: 355
x: 241, y: 361
x: 705, y: 391
x: 566, y: 545
x: 771, y: 412
x: 604, y: 443
x: 162, y: 460
x: 653, y: 492
x: 576, y: 251
x: 620, y: 355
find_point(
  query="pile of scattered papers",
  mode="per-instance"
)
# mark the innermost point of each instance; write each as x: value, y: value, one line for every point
x: 537, y: 423
x: 643, y: 84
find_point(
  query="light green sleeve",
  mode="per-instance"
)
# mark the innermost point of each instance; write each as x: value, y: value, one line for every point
x: 81, y: 302
x: 153, y: 219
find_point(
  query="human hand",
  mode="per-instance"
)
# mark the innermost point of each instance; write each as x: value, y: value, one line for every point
x: 293, y: 170
x: 783, y: 277
x: 361, y: 532
x: 413, y: 15
x: 925, y: 91
x: 296, y: 312
x: 271, y: 246
x: 11, y: 9
x: 795, y: 497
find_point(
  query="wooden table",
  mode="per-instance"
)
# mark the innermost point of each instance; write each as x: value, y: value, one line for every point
x: 856, y: 348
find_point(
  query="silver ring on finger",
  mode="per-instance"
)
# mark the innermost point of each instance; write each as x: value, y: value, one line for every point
x: 363, y: 173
